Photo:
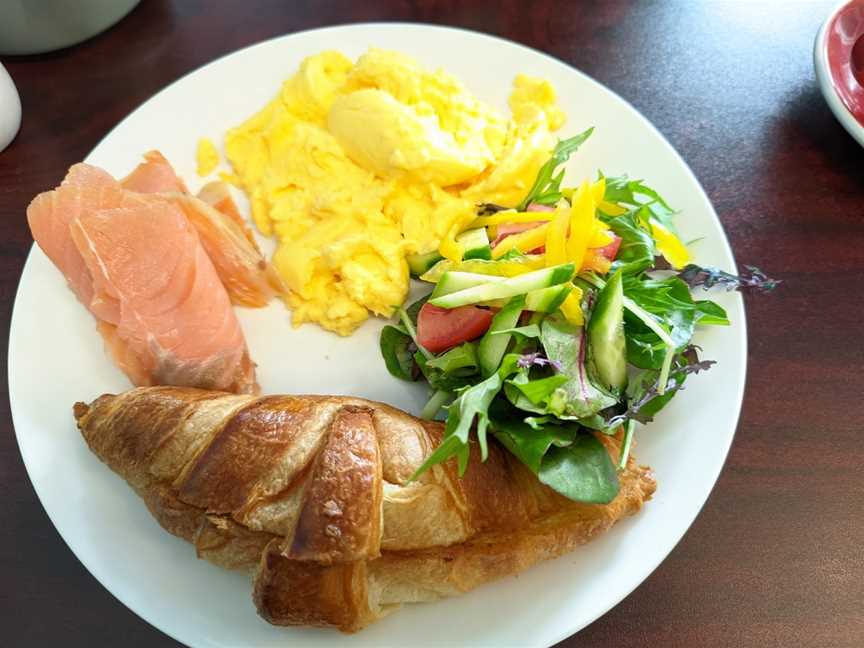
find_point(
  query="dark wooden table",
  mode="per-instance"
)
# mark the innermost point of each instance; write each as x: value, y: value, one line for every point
x: 776, y: 558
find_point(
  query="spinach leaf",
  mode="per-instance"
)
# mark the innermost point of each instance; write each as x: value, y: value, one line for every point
x: 582, y: 471
x: 529, y: 444
x: 546, y: 189
x: 398, y: 349
x: 565, y: 344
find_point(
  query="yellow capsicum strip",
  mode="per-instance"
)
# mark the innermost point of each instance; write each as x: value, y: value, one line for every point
x: 449, y: 248
x: 511, y: 217
x: 572, y: 307
x: 610, y: 208
x: 581, y: 225
x: 600, y: 238
x: 556, y: 252
x: 524, y: 241
x: 669, y: 245
x: 598, y: 190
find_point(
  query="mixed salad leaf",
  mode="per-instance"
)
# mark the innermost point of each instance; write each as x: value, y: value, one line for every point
x: 563, y: 333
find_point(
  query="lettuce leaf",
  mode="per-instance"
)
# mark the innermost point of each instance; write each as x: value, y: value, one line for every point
x: 566, y: 345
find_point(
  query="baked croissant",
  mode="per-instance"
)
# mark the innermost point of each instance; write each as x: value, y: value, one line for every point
x: 312, y: 494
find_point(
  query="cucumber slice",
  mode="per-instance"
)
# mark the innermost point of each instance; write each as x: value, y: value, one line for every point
x: 454, y: 281
x: 544, y: 300
x: 504, y: 268
x: 547, y: 300
x: 475, y: 243
x: 510, y: 287
x: 493, y: 347
x: 606, y: 334
x: 421, y: 263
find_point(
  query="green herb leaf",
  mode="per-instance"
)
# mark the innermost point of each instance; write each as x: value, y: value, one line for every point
x: 623, y: 190
x: 670, y: 303
x: 529, y: 331
x: 539, y: 390
x: 472, y: 404
x: 582, y: 471
x: 546, y: 189
x: 462, y: 357
x: 637, y: 250
x: 444, y: 381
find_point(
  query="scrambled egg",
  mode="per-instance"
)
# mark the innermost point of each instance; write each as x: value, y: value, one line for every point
x: 355, y: 165
x: 207, y: 157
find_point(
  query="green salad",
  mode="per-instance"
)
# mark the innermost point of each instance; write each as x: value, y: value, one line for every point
x: 560, y: 319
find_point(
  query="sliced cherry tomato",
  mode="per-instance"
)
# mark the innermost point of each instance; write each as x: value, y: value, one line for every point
x: 439, y: 329
x: 611, y: 250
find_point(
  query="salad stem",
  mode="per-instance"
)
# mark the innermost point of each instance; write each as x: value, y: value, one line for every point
x: 434, y: 405
x: 629, y: 427
x: 409, y: 326
x: 664, y: 370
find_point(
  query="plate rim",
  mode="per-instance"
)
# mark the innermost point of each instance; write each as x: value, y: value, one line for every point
x: 742, y: 360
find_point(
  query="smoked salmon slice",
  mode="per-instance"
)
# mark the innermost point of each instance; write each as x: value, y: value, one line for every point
x: 84, y: 189
x: 154, y: 175
x: 216, y: 195
x: 138, y: 264
x: 247, y: 276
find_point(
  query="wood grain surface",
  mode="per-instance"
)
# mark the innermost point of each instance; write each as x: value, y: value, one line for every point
x: 776, y: 557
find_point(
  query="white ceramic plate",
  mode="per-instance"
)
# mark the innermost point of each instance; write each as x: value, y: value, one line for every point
x: 56, y: 358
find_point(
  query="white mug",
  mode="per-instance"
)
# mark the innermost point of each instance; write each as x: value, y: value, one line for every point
x: 10, y: 109
x: 35, y: 26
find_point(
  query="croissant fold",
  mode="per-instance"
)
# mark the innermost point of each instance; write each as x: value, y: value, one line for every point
x: 312, y: 495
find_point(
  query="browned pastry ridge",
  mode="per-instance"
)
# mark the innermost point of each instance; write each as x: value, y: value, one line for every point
x: 312, y: 494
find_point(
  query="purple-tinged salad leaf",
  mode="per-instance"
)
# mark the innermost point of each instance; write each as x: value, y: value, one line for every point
x: 752, y: 280
x: 644, y: 395
x: 536, y: 359
x: 566, y: 344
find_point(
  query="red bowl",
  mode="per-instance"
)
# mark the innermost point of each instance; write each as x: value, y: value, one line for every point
x: 839, y: 60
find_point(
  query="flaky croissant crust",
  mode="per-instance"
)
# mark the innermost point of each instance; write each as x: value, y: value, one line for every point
x: 312, y: 494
